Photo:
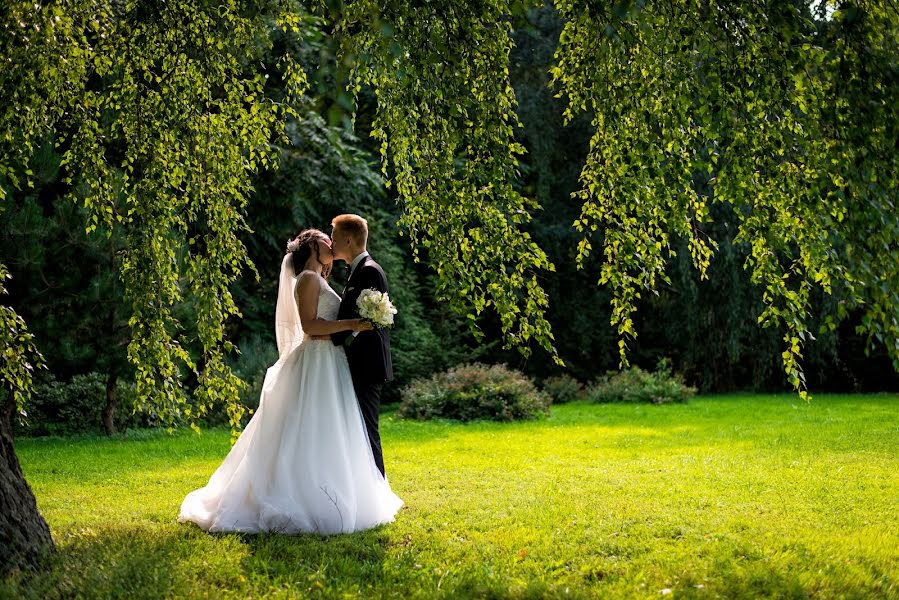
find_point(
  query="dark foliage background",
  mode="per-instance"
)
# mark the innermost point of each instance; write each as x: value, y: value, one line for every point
x: 707, y: 329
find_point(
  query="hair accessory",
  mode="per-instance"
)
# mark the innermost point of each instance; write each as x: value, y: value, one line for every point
x: 293, y: 245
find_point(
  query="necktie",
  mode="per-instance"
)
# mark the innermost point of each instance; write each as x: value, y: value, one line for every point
x: 349, y: 269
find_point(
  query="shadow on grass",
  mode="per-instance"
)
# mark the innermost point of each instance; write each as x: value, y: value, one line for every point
x: 103, y: 563
x: 348, y: 562
x: 183, y: 561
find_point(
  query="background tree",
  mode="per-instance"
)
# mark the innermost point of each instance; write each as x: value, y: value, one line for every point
x: 766, y: 107
x: 165, y: 117
x: 67, y: 283
x: 578, y: 309
x: 707, y: 327
x: 445, y: 120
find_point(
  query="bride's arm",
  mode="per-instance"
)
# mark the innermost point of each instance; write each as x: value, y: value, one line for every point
x: 307, y: 291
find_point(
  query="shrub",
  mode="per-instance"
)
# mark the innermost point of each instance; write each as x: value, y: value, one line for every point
x: 474, y: 391
x: 636, y: 385
x: 76, y: 406
x: 563, y: 389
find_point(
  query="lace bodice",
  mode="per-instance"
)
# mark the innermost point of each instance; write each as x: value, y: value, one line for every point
x: 328, y: 300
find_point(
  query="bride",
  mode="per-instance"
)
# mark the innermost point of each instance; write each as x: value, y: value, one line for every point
x: 303, y: 463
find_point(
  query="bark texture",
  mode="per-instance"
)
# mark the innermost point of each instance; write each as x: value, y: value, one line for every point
x: 112, y: 402
x: 24, y: 535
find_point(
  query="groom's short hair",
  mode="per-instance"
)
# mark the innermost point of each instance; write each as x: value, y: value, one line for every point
x: 354, y: 226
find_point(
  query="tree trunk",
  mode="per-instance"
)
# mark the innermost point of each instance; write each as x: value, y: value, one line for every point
x: 24, y: 535
x: 8, y: 412
x: 112, y: 401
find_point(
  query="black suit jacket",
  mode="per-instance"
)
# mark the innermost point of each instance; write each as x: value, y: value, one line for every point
x: 369, y: 353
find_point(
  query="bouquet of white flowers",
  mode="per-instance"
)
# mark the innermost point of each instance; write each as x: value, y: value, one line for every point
x: 376, y: 307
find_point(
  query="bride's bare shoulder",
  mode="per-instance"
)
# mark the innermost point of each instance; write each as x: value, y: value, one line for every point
x: 307, y: 280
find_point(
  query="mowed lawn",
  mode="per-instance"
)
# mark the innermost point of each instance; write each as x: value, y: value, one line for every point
x: 733, y: 496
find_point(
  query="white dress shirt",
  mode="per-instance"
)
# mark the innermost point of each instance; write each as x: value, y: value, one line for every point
x: 356, y: 261
x: 353, y: 266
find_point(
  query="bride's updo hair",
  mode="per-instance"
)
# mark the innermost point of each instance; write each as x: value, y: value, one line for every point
x: 303, y: 246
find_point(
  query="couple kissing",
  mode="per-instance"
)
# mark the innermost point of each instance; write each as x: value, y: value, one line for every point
x: 310, y: 459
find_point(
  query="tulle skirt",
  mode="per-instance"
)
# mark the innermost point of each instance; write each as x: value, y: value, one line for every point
x: 303, y: 463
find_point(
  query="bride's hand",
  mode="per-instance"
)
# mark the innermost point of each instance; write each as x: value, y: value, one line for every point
x: 362, y: 325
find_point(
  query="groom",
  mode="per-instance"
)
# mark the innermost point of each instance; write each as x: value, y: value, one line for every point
x: 369, y: 352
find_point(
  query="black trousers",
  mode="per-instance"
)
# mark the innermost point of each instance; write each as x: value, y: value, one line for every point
x: 369, y: 396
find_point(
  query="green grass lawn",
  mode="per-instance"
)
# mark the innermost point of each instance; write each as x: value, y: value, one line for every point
x: 723, y: 497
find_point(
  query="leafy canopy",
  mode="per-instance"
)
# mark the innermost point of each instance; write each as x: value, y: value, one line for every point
x: 784, y: 112
x: 163, y: 114
x: 446, y: 123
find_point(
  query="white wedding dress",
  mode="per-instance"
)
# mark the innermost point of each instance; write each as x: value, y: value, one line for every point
x: 303, y: 463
